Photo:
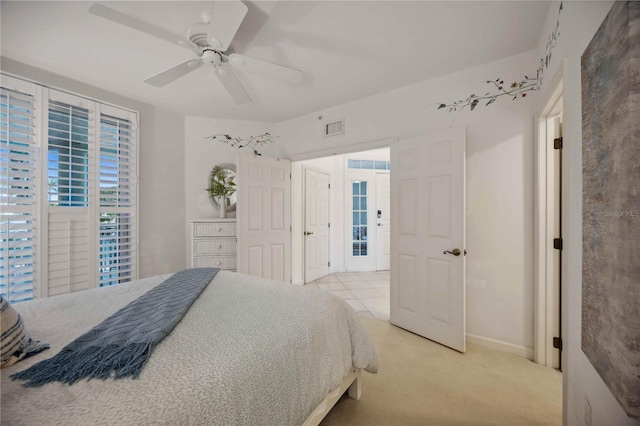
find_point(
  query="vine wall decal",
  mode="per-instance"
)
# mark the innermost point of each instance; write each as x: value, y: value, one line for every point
x: 517, y: 89
x: 252, y: 142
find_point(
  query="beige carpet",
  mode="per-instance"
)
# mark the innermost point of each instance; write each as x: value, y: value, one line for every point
x: 423, y: 383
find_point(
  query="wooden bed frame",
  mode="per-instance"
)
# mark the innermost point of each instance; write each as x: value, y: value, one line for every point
x: 351, y: 382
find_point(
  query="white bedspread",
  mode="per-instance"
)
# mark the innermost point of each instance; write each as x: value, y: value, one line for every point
x: 248, y: 352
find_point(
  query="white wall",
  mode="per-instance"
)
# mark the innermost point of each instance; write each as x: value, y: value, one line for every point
x: 499, y: 181
x: 578, y: 23
x: 161, y: 173
x: 201, y: 154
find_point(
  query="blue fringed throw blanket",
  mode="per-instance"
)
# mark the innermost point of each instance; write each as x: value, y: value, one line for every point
x: 123, y: 343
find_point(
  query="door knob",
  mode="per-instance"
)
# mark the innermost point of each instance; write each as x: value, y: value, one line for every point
x: 455, y: 252
x: 308, y: 233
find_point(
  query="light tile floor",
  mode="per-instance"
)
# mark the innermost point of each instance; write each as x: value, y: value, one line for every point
x: 366, y: 292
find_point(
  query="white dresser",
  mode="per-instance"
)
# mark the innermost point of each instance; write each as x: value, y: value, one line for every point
x: 213, y: 243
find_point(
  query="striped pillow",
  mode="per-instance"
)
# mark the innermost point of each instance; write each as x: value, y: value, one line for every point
x: 15, y: 345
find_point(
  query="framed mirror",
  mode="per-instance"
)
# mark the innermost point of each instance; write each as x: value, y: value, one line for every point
x: 230, y: 168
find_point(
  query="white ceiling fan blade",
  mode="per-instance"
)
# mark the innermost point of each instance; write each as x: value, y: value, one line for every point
x: 224, y: 20
x: 269, y: 69
x: 172, y: 74
x: 136, y: 24
x: 233, y: 85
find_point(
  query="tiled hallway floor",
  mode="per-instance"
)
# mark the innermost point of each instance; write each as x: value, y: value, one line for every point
x: 366, y: 292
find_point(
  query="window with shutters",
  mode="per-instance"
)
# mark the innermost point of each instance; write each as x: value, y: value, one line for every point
x: 17, y: 194
x: 69, y: 193
x: 117, y: 196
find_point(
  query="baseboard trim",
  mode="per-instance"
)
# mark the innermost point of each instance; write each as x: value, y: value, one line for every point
x: 486, y: 342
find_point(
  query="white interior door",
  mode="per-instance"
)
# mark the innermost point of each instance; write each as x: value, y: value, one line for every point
x: 316, y: 225
x: 427, y: 218
x: 383, y: 221
x: 264, y: 217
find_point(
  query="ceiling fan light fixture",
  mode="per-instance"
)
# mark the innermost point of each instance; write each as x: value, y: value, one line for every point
x: 222, y: 71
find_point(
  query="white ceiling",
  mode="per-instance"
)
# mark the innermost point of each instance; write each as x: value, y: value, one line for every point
x: 347, y: 49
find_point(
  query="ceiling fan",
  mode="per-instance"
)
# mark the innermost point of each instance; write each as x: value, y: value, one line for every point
x: 210, y: 40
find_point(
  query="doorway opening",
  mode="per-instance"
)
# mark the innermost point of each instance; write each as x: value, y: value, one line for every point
x: 352, y: 191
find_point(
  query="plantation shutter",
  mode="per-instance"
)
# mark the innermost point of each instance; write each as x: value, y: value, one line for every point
x: 118, y: 197
x: 68, y: 192
x: 70, y: 152
x: 18, y: 162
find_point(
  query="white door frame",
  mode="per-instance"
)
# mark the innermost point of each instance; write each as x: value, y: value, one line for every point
x: 546, y: 306
x: 386, y: 217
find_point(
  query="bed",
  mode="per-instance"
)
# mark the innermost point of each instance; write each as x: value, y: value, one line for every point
x: 249, y: 351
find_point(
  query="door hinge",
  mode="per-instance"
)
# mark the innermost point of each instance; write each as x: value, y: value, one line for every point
x: 328, y: 263
x: 290, y: 229
x: 329, y: 186
x: 557, y: 243
x: 329, y: 225
x: 557, y: 143
x: 557, y: 343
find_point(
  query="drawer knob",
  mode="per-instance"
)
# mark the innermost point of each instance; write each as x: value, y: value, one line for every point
x: 220, y: 246
x: 219, y: 229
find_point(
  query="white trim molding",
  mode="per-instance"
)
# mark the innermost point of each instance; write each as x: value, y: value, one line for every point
x: 486, y: 342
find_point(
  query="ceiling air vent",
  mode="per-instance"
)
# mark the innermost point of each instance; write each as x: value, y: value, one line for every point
x: 334, y: 128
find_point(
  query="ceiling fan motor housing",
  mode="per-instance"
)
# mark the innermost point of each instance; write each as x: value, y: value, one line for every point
x: 211, y: 57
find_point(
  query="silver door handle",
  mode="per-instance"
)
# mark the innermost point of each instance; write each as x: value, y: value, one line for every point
x: 455, y: 252
x: 308, y: 233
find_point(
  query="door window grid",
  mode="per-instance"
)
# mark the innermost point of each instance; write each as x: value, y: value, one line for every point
x: 359, y: 218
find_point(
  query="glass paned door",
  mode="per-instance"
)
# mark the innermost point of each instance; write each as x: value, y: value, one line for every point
x: 359, y: 223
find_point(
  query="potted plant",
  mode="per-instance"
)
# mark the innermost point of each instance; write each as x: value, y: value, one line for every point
x: 221, y: 187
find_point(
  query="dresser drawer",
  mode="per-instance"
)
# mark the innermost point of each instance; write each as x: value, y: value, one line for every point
x: 214, y: 229
x: 222, y: 262
x: 214, y: 246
